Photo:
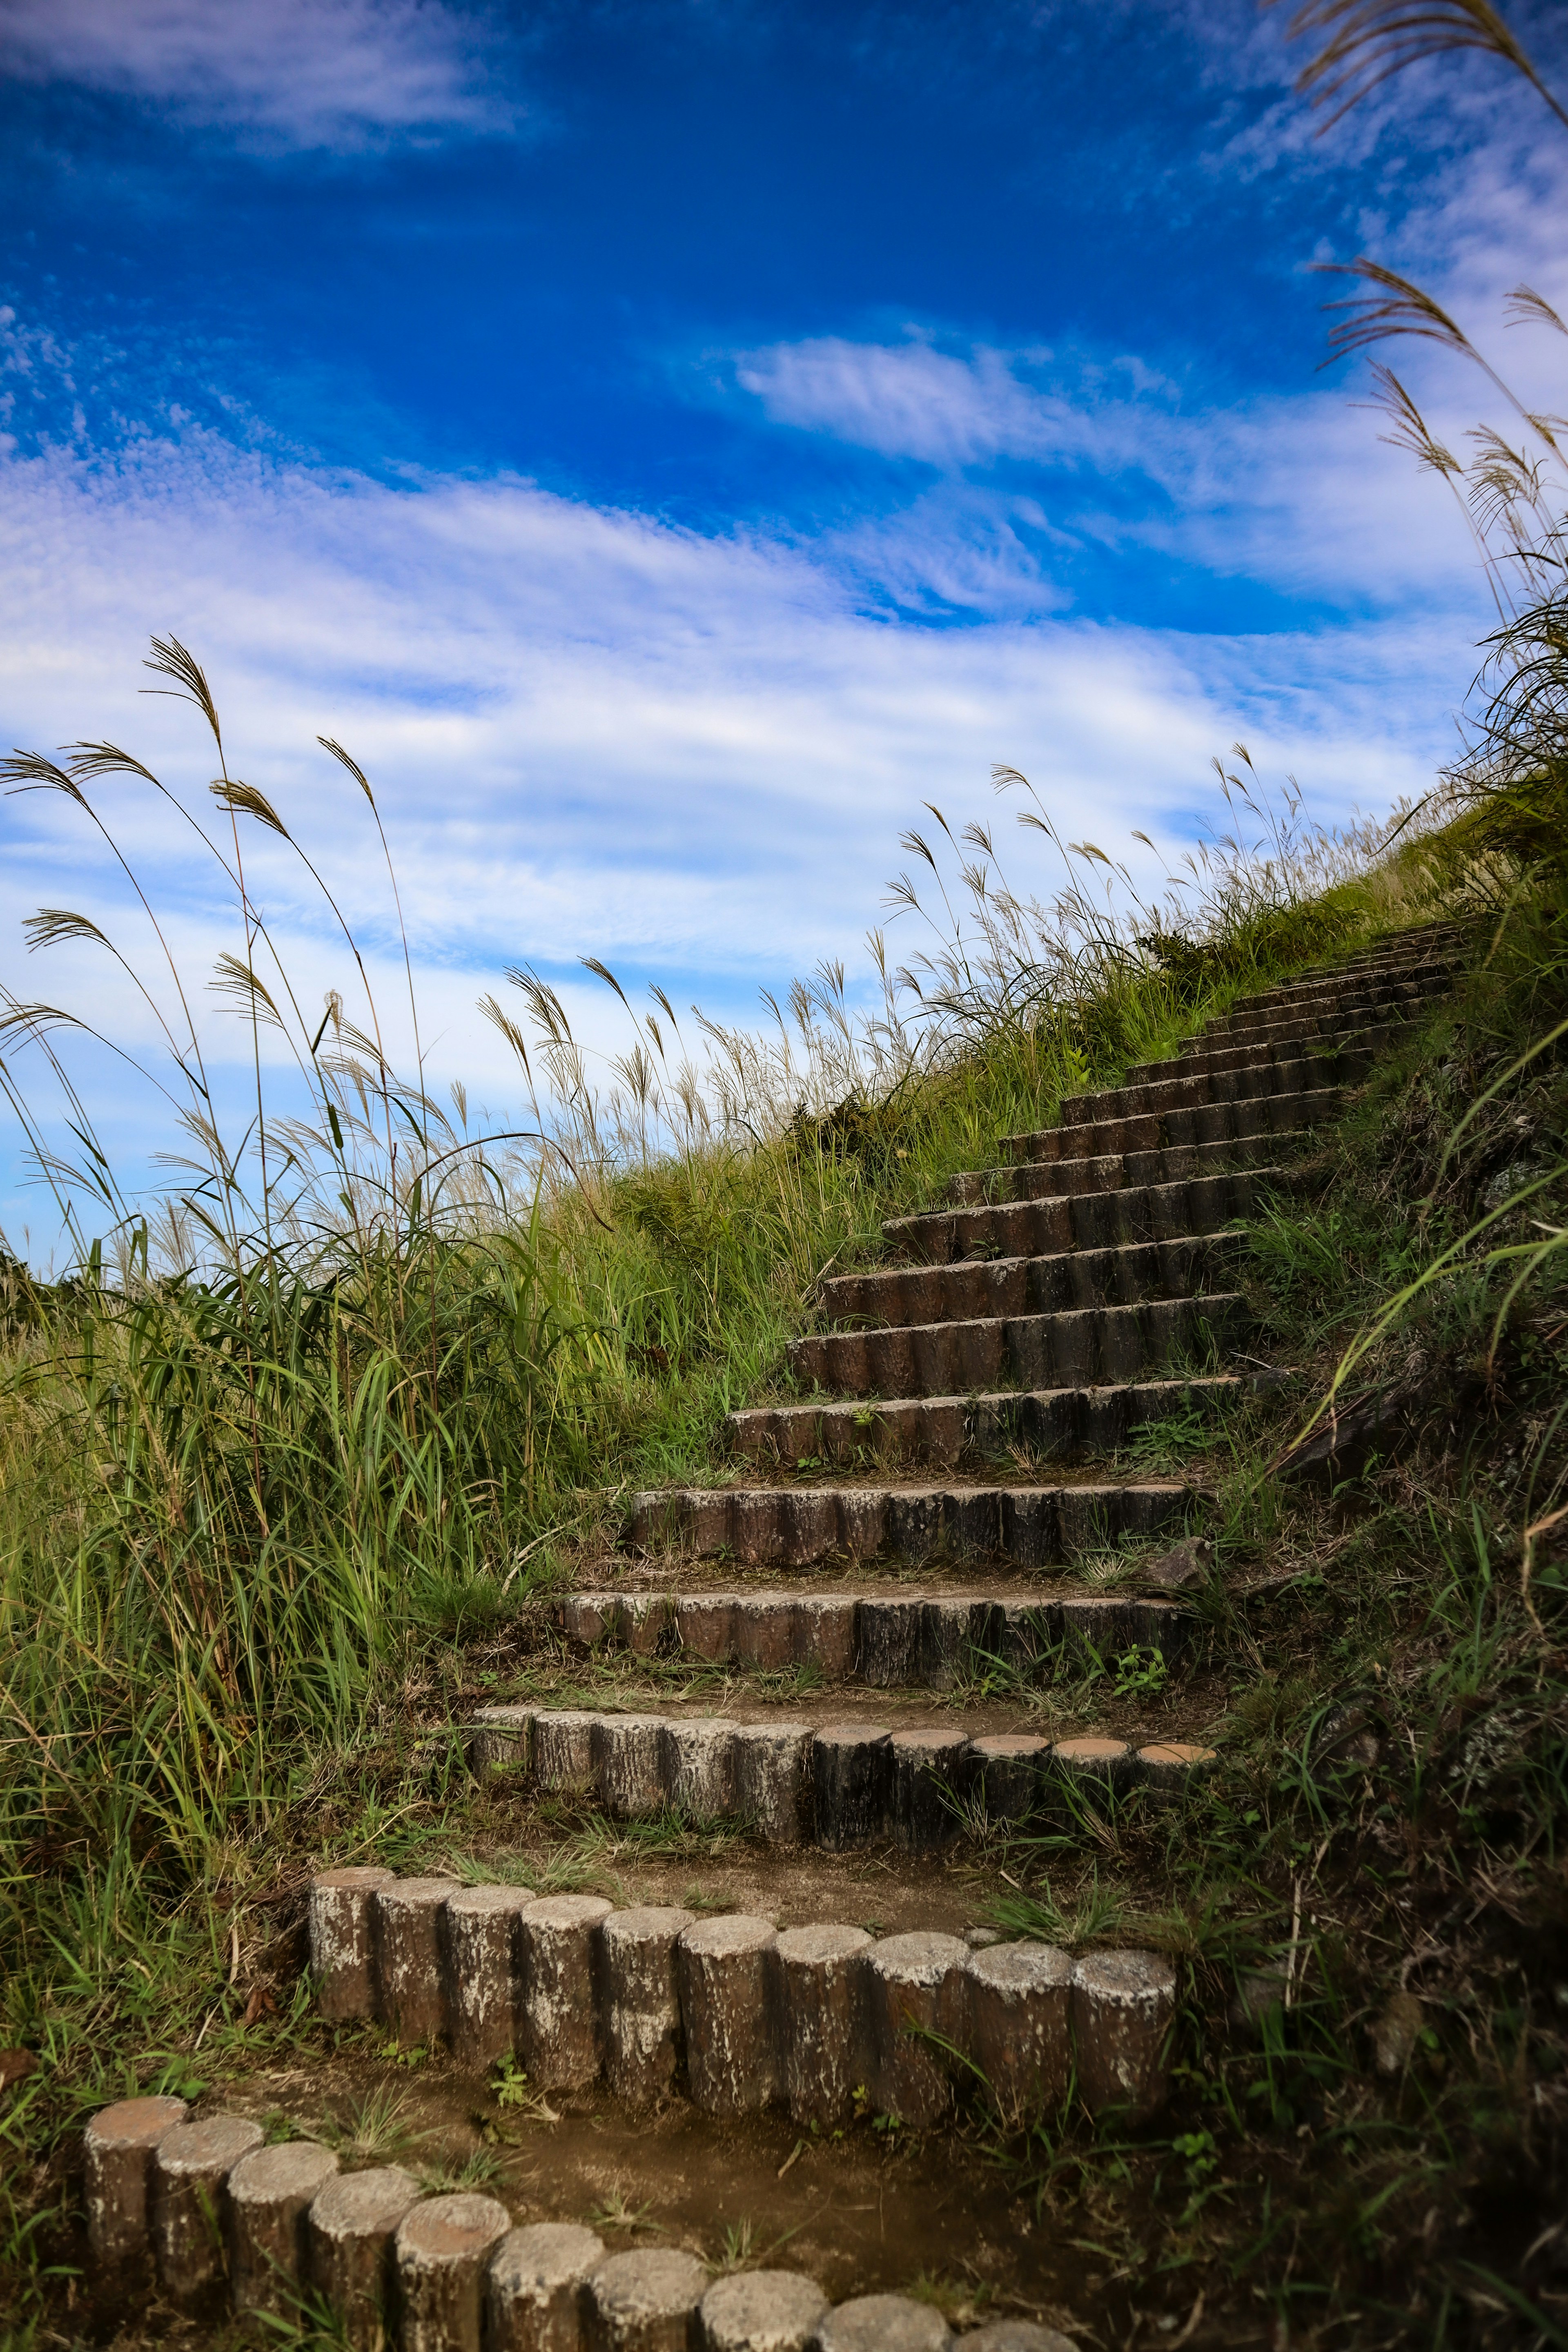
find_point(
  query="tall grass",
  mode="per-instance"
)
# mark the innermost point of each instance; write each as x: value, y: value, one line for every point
x: 362, y: 1378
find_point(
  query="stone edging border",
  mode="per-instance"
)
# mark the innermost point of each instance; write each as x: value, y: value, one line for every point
x: 217, y: 2210
x: 826, y: 2017
x: 836, y: 1785
x: 885, y: 1640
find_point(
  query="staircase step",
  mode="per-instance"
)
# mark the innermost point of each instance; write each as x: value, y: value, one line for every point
x: 1178, y: 1090
x: 1113, y: 1172
x: 939, y: 1431
x: 836, y: 1784
x: 813, y: 2019
x: 1053, y: 1284
x: 1210, y: 1122
x: 795, y: 1526
x: 1290, y: 1041
x: 1078, y: 1347
x: 1408, y: 984
x: 1085, y: 1220
x: 890, y: 1641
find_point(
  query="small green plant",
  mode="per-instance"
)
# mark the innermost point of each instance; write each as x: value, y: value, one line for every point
x: 478, y: 2169
x: 1140, y: 1673
x: 409, y: 2055
x: 614, y: 2211
x: 736, y: 2254
x: 508, y: 2083
x: 378, y: 2129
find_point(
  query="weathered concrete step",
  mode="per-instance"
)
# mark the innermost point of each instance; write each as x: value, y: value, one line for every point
x: 1319, y: 1017
x: 1210, y: 1122
x: 890, y: 1641
x: 1373, y: 999
x: 1406, y: 984
x: 939, y: 1431
x: 1292, y: 1041
x: 1428, y: 944
x: 838, y: 1785
x: 1304, y: 1029
x: 1085, y: 1220
x: 1311, y: 1026
x: 1081, y: 1348
x: 782, y: 1526
x: 652, y: 1998
x: 1116, y: 1172
x: 1051, y: 1284
x: 1183, y: 1090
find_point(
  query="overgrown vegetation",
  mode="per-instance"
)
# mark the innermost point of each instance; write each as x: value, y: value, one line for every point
x: 273, y: 1512
x: 285, y: 1463
x: 278, y: 1453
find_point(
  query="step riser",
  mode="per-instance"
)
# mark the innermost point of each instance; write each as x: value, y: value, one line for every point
x: 1356, y: 1013
x: 1293, y: 1043
x: 1411, y: 986
x: 1084, y: 1220
x: 1032, y: 1526
x: 1275, y: 1040
x: 893, y: 1643
x: 837, y: 1789
x: 1055, y: 1424
x: 1358, y: 972
x: 1168, y: 1095
x: 1093, y: 1345
x: 759, y: 2021
x: 1111, y: 1171
x: 1226, y: 1122
x: 1052, y: 1284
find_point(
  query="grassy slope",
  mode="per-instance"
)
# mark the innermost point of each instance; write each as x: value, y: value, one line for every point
x: 205, y: 1692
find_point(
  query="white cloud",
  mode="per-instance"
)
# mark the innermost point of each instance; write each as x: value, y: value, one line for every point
x: 908, y: 400
x: 1295, y: 492
x: 592, y: 732
x: 597, y: 734
x: 303, y: 72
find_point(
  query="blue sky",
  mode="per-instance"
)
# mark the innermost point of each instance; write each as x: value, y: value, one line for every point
x: 669, y: 442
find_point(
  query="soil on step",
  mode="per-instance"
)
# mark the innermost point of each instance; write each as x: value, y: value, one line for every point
x: 868, y: 2211
x: 947, y: 1580
x: 876, y: 1886
x: 1187, y: 1709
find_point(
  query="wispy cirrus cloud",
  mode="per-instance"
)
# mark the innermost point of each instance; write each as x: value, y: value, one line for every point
x: 1046, y: 462
x: 913, y: 400
x: 593, y: 732
x: 302, y: 73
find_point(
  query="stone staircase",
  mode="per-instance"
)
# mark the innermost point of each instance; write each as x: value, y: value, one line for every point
x: 888, y: 1537
x: 1089, y: 1284
x: 1085, y: 1286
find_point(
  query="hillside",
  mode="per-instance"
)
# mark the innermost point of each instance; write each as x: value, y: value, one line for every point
x: 1100, y: 1494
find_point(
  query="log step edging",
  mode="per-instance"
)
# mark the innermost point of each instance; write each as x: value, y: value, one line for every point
x: 414, y: 2270
x: 795, y: 1526
x: 889, y: 1642
x: 940, y: 1430
x: 579, y: 1990
x: 1253, y: 1116
x: 836, y: 1785
x: 1091, y: 1174
x: 1039, y: 1282
x: 1069, y: 1347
